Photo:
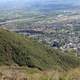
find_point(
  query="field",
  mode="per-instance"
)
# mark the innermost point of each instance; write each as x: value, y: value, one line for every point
x: 17, y: 73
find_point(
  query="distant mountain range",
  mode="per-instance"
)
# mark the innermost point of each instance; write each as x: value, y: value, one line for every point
x: 39, y: 4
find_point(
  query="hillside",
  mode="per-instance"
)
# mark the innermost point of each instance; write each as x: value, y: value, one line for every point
x: 24, y: 51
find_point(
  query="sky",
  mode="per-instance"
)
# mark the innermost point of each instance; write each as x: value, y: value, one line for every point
x: 76, y: 2
x: 57, y: 1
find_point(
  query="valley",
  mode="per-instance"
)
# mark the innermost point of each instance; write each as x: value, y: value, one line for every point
x: 58, y: 27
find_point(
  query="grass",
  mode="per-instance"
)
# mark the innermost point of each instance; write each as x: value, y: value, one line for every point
x: 35, y: 74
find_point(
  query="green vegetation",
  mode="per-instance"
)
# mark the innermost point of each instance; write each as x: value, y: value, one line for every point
x: 24, y: 51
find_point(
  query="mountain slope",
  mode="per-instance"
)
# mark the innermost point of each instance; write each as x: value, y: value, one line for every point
x: 24, y: 51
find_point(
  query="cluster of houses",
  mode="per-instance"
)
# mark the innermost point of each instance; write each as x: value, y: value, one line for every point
x: 67, y: 46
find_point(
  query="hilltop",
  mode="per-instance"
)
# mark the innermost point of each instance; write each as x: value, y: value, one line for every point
x: 24, y: 51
